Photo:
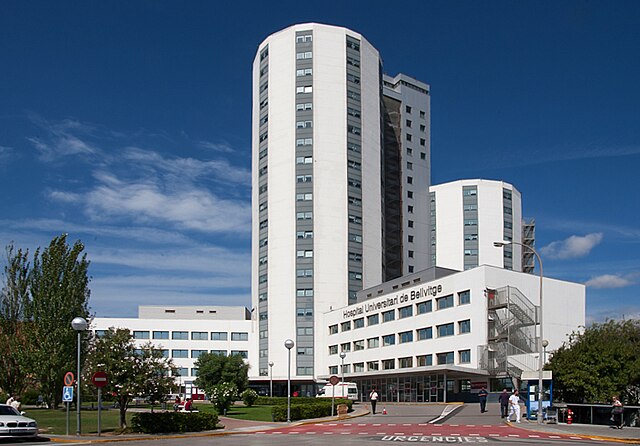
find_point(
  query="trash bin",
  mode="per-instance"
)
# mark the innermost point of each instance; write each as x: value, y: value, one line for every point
x: 342, y: 410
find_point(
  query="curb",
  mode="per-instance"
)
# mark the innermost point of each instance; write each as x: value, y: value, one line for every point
x: 575, y: 434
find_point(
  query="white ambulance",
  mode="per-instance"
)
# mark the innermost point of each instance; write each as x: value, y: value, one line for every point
x: 342, y: 390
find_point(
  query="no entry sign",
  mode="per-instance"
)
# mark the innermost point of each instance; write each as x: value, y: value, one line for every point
x: 100, y: 379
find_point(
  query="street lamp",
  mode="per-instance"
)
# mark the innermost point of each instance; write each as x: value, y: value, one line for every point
x: 545, y: 343
x: 540, y: 342
x: 342, y: 356
x: 271, y: 378
x: 289, y: 344
x: 79, y: 324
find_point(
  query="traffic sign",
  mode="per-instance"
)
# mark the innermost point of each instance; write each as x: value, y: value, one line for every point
x: 68, y: 379
x: 334, y: 380
x: 100, y: 379
x: 67, y: 394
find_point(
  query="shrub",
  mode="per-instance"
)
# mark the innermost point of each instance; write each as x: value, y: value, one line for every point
x: 306, y: 408
x: 223, y: 395
x: 249, y: 397
x: 165, y: 422
x: 30, y: 397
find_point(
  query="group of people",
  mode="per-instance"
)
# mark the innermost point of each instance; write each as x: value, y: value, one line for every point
x: 509, y: 404
x: 13, y: 402
x: 188, y: 404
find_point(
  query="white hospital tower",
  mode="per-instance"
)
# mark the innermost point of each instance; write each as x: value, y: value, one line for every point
x: 354, y: 251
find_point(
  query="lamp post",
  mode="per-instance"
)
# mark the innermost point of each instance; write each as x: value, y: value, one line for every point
x: 342, y: 356
x: 79, y: 324
x: 271, y: 378
x: 545, y: 343
x: 540, y: 342
x: 289, y: 345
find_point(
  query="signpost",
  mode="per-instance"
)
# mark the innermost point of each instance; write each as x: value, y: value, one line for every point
x: 333, y: 380
x: 100, y: 380
x: 67, y: 393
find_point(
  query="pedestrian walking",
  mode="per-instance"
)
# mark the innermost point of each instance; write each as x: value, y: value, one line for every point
x: 504, y: 403
x: 514, y: 406
x: 373, y: 397
x: 482, y: 396
x: 617, y: 413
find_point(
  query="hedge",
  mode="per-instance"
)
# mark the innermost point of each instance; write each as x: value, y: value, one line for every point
x: 302, y: 409
x: 165, y: 422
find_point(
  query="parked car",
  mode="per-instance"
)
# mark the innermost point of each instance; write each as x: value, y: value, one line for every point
x: 14, y: 424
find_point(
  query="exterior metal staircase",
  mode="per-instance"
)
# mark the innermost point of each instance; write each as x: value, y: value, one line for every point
x: 512, y: 344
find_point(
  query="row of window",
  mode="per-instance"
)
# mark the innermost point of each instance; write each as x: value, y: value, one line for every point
x: 464, y: 297
x: 184, y: 335
x: 464, y: 357
x: 404, y: 337
x: 180, y: 353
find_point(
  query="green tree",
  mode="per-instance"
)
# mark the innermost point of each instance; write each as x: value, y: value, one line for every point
x: 14, y: 345
x: 59, y: 291
x: 217, y: 369
x: 599, y: 362
x: 132, y: 371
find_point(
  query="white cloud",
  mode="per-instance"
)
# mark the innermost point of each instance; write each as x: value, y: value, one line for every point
x: 216, y: 147
x: 5, y: 152
x: 572, y: 247
x: 611, y: 281
x: 66, y: 197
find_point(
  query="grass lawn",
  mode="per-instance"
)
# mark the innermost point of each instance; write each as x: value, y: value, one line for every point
x: 255, y: 413
x: 51, y: 421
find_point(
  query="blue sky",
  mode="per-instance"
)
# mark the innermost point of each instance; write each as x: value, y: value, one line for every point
x: 127, y: 125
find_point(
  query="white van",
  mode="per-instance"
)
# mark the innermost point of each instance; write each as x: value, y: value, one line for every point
x: 342, y: 390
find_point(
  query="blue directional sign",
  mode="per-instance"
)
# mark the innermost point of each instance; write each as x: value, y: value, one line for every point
x: 67, y: 394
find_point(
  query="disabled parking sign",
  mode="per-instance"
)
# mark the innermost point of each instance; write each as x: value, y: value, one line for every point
x: 67, y: 394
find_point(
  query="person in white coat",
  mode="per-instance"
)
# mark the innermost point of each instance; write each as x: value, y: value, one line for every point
x: 514, y: 406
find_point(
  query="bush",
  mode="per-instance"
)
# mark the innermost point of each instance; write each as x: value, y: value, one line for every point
x: 306, y: 408
x: 223, y: 395
x: 30, y: 397
x: 165, y: 422
x: 249, y: 397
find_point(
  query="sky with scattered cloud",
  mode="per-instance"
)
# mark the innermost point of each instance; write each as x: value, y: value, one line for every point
x: 127, y: 126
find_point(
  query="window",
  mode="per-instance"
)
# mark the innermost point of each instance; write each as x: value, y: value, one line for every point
x: 373, y: 365
x: 408, y: 122
x: 140, y: 334
x: 410, y: 268
x: 373, y: 342
x: 407, y: 108
x: 469, y: 191
x: 179, y: 353
x: 165, y: 353
x: 358, y: 367
x: 100, y: 333
x: 464, y: 297
x: 304, y: 312
x: 304, y: 72
x: 423, y: 156
x: 355, y: 238
x: 423, y: 142
x: 410, y: 238
x: 355, y: 257
x: 304, y: 234
x: 304, y: 215
x: 262, y: 297
x: 445, y: 358
x: 464, y: 356
x: 304, y: 351
x: 354, y: 45
x: 355, y: 276
x: 409, y: 137
x: 219, y: 335
x: 219, y: 352
x: 182, y: 371
x: 160, y: 335
x: 470, y: 222
x: 410, y: 223
x: 405, y: 363
x: 422, y: 114
x: 424, y: 333
x: 410, y: 254
x: 305, y: 371
x: 355, y: 201
x: 358, y: 323
x: 388, y: 316
x: 405, y: 311
x: 304, y: 142
x: 464, y: 326
x: 353, y: 112
x: 353, y: 182
x: 374, y: 319
x: 302, y: 272
x: 305, y: 106
x: 304, y: 197
x: 333, y: 370
x: 405, y: 336
x: 352, y: 78
x: 242, y: 353
x: 302, y: 253
x: 424, y: 360
x: 389, y: 340
x: 304, y: 178
x: 304, y: 55
x: 264, y: 334
x: 409, y: 194
x: 354, y: 219
x: 239, y: 336
x: 304, y: 38
x: 305, y: 331
x: 304, y: 89
x: 423, y: 128
x: 180, y: 335
x: 333, y: 329
x: 388, y: 364
x: 346, y: 347
x: 445, y: 330
x: 444, y: 302
x: 197, y: 353
x: 199, y: 336
x: 353, y: 61
x: 358, y: 345
x: 304, y: 160
x: 304, y: 292
x: 333, y: 349
x: 345, y: 326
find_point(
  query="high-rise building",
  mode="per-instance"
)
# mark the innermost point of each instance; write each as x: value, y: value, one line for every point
x: 340, y: 180
x: 467, y: 217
